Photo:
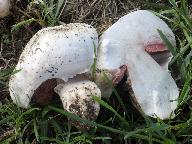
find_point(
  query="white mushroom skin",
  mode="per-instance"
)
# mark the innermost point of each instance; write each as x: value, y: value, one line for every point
x: 56, y: 52
x: 124, y: 43
x: 76, y: 96
x: 4, y: 8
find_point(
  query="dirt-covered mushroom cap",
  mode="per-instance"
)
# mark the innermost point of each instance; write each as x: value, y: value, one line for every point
x: 4, y: 8
x: 76, y: 96
x: 130, y: 42
x: 60, y: 52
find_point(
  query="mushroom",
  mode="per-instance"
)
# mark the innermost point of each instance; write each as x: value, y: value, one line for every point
x: 132, y: 46
x: 4, y: 8
x: 57, y: 56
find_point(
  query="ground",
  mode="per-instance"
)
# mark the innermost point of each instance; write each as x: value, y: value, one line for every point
x: 49, y: 124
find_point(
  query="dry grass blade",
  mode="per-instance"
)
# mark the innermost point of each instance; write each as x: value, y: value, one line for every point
x: 99, y: 13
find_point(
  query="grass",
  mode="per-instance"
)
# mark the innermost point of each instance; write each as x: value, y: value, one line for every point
x: 118, y: 121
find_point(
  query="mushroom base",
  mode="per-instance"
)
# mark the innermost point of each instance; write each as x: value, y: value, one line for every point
x: 76, y: 96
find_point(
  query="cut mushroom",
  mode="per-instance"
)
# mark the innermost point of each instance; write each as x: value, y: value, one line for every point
x: 132, y: 42
x: 4, y: 8
x: 53, y: 55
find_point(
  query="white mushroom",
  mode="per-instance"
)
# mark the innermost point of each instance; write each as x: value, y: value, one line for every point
x: 4, y: 8
x: 53, y: 55
x: 129, y: 43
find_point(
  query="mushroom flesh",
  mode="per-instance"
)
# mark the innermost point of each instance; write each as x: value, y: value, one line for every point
x: 133, y: 42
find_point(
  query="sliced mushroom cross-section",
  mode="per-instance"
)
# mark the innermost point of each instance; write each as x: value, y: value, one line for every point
x: 133, y: 41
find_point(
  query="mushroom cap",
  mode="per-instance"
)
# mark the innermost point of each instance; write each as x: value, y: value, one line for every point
x: 124, y: 43
x: 136, y: 28
x: 76, y: 96
x: 55, y: 52
x: 4, y: 8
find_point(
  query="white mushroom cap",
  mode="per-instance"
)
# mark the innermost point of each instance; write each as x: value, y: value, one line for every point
x: 56, y: 52
x: 135, y: 29
x: 124, y: 44
x: 4, y: 8
x: 76, y: 96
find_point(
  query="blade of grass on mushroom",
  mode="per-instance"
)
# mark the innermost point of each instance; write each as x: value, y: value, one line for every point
x: 167, y: 43
x: 93, y: 67
x: 104, y: 104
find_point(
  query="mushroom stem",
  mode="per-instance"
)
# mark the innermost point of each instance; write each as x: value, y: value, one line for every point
x: 76, y: 96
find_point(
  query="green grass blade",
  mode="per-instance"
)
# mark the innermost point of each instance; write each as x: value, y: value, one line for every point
x: 104, y: 104
x: 90, y: 123
x: 167, y: 43
x: 179, y: 55
x: 28, y: 112
x: 43, y: 130
x: 56, y: 126
x: 35, y: 128
x: 151, y: 129
x: 22, y: 24
x: 184, y: 96
x: 116, y: 93
x: 59, y: 5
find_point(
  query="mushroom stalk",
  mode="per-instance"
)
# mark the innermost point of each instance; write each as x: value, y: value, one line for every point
x: 76, y: 96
